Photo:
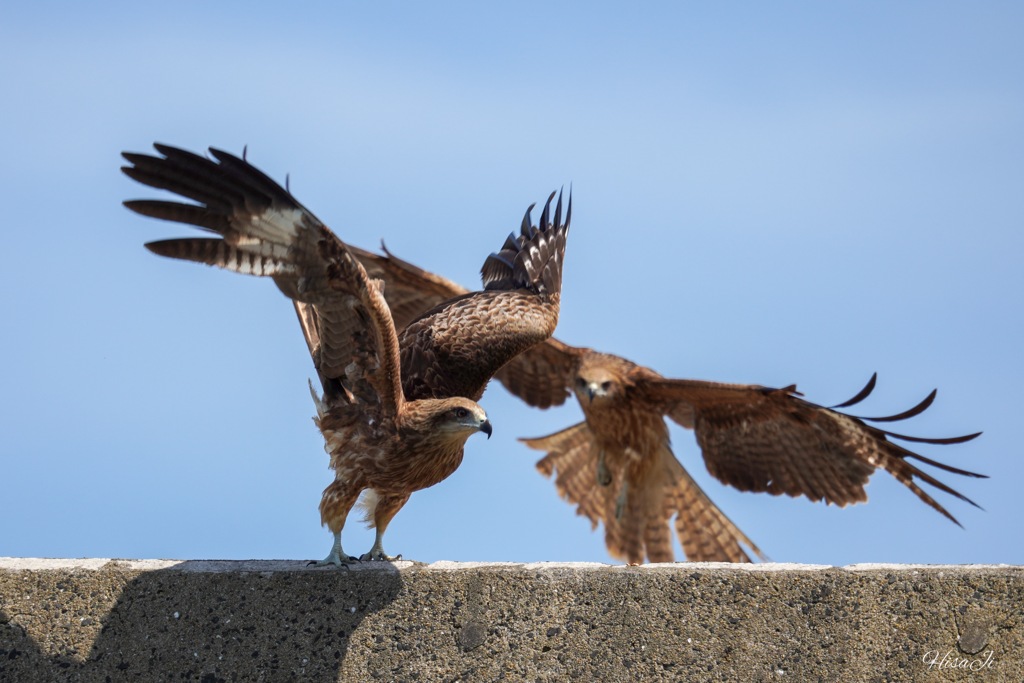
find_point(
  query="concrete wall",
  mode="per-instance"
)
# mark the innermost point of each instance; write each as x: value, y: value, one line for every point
x: 100, y: 620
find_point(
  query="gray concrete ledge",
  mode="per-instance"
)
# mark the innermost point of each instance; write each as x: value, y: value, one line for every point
x: 116, y: 620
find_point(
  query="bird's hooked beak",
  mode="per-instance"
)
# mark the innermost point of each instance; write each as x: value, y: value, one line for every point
x: 589, y: 389
x: 485, y: 427
x: 593, y: 389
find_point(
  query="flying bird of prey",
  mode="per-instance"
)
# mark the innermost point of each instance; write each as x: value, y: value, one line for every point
x: 396, y: 410
x: 617, y: 465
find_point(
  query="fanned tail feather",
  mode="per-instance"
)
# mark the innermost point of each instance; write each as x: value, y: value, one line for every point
x: 570, y: 458
x: 643, y: 529
x: 705, y: 533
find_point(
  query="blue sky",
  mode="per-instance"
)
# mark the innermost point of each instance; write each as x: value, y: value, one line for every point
x: 802, y: 193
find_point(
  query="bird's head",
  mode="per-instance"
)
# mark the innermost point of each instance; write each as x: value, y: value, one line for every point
x: 461, y: 418
x: 595, y: 384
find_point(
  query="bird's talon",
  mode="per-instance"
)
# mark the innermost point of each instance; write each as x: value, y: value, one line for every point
x: 338, y: 557
x: 344, y: 564
x: 379, y: 556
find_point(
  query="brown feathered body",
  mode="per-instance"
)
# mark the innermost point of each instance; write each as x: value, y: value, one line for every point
x: 393, y: 459
x: 379, y: 436
x: 618, y: 468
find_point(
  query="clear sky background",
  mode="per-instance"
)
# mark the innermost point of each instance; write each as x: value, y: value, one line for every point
x: 801, y: 192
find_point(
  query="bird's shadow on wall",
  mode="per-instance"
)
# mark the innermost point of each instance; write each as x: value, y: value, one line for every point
x: 193, y: 622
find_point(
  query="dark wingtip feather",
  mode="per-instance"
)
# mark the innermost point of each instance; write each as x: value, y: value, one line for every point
x: 568, y: 210
x: 545, y: 214
x: 527, y: 220
x: 173, y: 248
x: 942, y: 441
x: 861, y: 395
x: 223, y: 155
x: 900, y: 456
x: 904, y: 453
x: 916, y: 410
x: 533, y: 259
x: 169, y: 150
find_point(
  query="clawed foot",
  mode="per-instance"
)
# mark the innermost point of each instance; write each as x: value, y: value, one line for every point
x: 337, y: 556
x: 327, y: 562
x: 336, y: 560
x: 379, y: 556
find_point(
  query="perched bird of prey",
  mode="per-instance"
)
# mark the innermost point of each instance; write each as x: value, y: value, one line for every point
x: 618, y: 468
x: 396, y: 410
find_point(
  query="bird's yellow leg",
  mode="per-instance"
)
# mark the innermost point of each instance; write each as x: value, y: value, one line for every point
x: 384, y: 507
x: 377, y: 551
x: 338, y: 557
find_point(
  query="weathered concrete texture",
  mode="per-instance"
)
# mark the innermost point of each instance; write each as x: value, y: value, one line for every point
x: 100, y: 620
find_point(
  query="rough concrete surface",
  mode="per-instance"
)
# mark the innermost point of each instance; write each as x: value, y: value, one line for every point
x: 108, y: 620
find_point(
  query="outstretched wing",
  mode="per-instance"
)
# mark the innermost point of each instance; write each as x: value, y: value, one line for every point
x: 770, y: 440
x: 533, y: 259
x: 455, y: 348
x: 263, y: 230
x: 642, y: 529
x: 541, y: 375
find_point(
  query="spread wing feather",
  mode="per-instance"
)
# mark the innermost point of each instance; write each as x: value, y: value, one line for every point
x: 540, y: 375
x: 456, y: 347
x: 264, y: 231
x: 453, y: 340
x: 771, y: 440
x: 533, y: 259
